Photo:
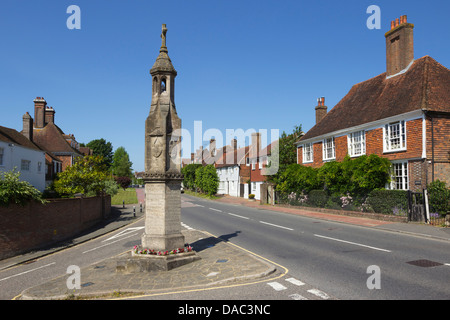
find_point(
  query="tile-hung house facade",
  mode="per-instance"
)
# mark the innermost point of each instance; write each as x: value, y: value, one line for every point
x: 402, y: 115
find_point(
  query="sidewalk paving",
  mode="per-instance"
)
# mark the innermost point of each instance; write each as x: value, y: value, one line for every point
x: 221, y: 263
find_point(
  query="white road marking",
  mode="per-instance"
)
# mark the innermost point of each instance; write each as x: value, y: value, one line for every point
x: 186, y: 226
x: 447, y: 264
x: 124, y: 232
x: 295, y: 281
x: 297, y: 296
x: 215, y: 209
x: 354, y: 243
x: 236, y: 215
x: 275, y: 225
x: 22, y: 273
x: 319, y: 293
x: 107, y: 244
x: 277, y: 286
x: 199, y: 205
x: 212, y: 274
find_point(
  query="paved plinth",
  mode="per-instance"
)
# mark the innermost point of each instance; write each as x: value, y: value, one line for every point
x: 221, y: 263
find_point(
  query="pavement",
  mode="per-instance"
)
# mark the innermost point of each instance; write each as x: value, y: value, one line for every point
x: 222, y: 263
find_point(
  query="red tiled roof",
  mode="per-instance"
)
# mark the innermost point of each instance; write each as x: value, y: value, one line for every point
x: 13, y: 136
x: 51, y: 138
x: 425, y: 86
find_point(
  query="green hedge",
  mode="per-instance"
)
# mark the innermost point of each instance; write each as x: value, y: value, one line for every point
x: 393, y: 202
x: 388, y: 202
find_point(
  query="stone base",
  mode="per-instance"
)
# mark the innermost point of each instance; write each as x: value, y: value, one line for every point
x: 163, y: 243
x: 137, y: 263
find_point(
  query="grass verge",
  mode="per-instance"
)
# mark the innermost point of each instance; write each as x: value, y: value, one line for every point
x: 127, y: 195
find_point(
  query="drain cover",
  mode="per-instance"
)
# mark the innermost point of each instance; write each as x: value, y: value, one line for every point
x: 87, y: 284
x: 425, y: 263
x: 222, y: 260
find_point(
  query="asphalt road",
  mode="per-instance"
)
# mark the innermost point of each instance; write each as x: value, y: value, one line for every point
x: 338, y: 259
x: 345, y: 261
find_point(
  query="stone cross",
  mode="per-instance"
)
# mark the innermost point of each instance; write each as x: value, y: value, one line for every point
x: 163, y: 35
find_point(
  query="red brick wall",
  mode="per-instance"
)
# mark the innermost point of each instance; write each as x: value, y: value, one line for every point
x: 36, y: 225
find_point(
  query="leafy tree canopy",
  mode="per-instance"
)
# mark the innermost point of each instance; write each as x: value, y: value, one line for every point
x: 121, y: 164
x: 102, y: 148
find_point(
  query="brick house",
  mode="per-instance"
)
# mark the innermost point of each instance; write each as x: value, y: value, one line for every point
x: 402, y: 114
x: 61, y: 149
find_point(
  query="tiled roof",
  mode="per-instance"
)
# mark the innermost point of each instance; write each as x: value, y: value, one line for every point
x: 51, y: 138
x: 425, y: 86
x: 12, y: 136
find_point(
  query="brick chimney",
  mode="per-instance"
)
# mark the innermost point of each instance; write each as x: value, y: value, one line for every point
x: 27, y: 130
x: 321, y: 109
x: 49, y: 115
x: 39, y: 112
x: 399, y: 46
x: 256, y: 145
x: 192, y: 157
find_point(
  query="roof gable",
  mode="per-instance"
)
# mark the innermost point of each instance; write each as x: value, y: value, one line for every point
x: 13, y: 136
x: 51, y: 138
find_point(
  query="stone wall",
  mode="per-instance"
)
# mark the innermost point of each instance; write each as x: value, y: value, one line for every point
x: 34, y: 225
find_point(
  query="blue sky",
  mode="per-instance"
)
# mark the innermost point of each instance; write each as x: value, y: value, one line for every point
x: 241, y: 64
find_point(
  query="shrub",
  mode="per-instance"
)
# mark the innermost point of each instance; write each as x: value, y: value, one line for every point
x: 123, y: 182
x: 388, y: 201
x: 14, y: 190
x: 206, y: 179
x: 251, y: 196
x: 439, y: 197
x: 189, y: 175
x: 318, y: 198
x: 86, y: 175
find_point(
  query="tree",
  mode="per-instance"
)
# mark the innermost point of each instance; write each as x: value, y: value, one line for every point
x: 102, y: 148
x: 206, y: 179
x: 87, y: 175
x: 123, y: 182
x: 287, y: 152
x: 14, y: 190
x: 121, y: 164
x: 189, y: 175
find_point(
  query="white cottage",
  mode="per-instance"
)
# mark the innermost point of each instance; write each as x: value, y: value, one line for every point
x: 16, y: 151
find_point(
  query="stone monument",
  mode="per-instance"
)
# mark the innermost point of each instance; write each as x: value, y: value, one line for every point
x: 163, y: 244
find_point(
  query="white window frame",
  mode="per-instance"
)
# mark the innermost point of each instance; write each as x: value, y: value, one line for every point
x: 393, y: 132
x: 25, y: 165
x: 39, y: 166
x: 308, y: 153
x: 328, y: 144
x: 356, y: 140
x: 400, y: 176
x: 2, y: 152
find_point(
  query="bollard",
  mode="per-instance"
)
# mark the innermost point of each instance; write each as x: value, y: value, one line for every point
x: 123, y: 204
x: 134, y: 211
x: 140, y: 206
